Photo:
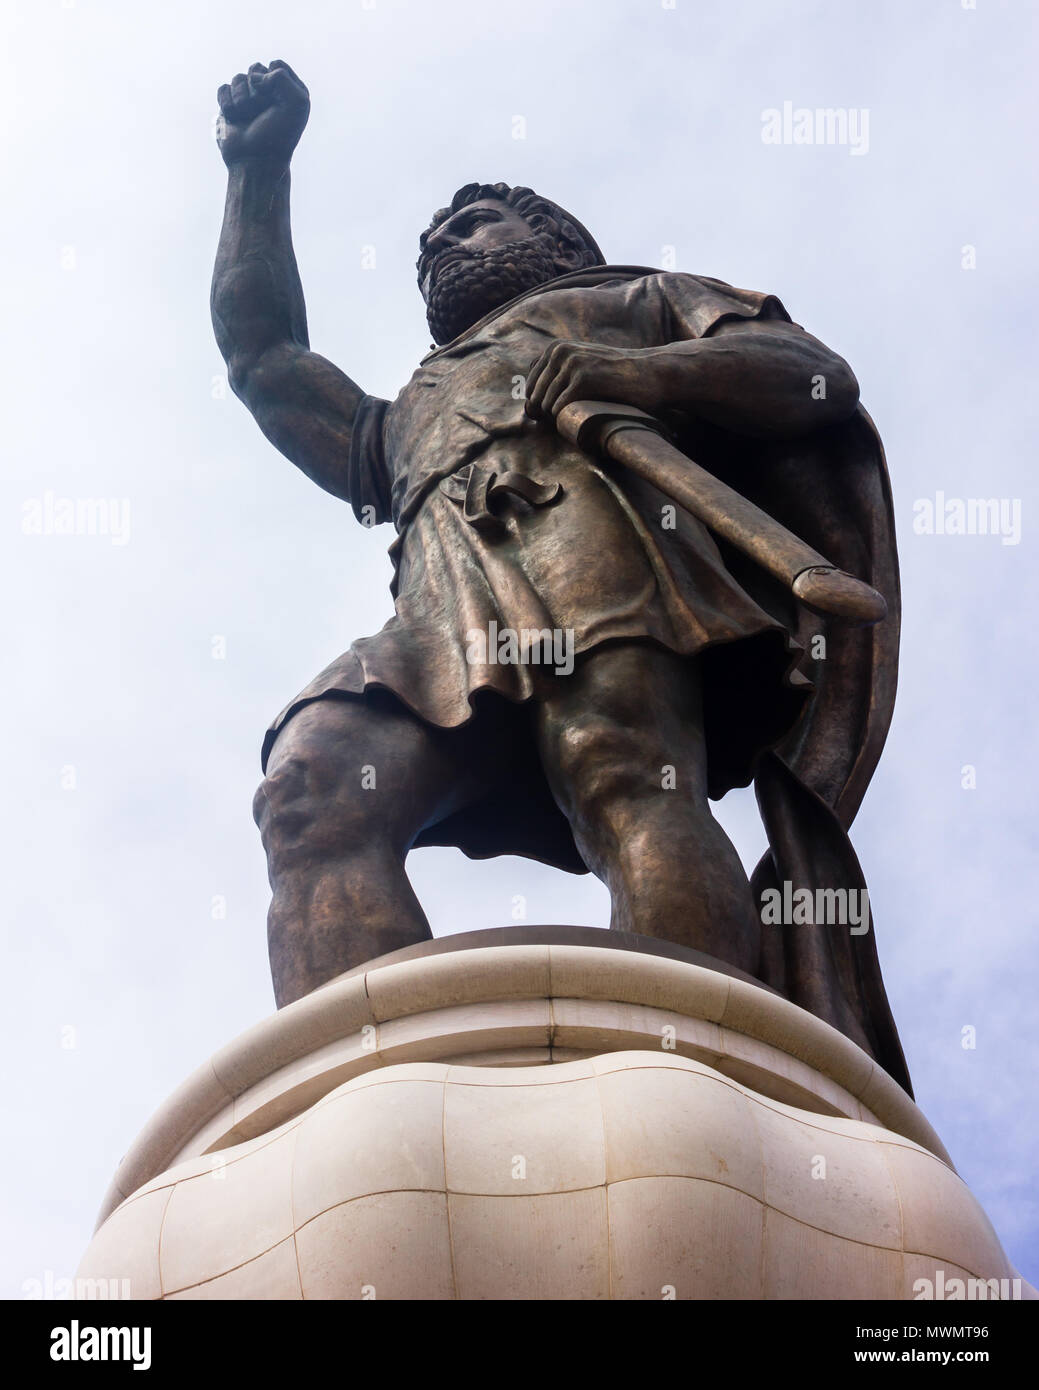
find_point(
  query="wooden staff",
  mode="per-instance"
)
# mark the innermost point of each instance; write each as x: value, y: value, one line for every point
x: 633, y: 438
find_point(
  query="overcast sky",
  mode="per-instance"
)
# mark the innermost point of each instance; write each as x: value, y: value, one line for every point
x: 133, y: 752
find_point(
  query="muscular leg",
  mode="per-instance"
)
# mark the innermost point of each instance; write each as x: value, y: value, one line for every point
x: 349, y: 786
x: 607, y: 735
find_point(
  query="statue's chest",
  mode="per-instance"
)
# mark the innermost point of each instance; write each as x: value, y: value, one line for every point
x: 476, y: 390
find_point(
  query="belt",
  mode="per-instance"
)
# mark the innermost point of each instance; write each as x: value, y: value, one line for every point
x: 478, y: 487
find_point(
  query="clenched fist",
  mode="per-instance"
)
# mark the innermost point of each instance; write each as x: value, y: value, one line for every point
x: 262, y: 114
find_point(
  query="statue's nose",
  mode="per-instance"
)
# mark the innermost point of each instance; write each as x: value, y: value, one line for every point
x: 441, y: 240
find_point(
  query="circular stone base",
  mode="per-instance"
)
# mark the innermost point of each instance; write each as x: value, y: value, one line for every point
x: 543, y: 1120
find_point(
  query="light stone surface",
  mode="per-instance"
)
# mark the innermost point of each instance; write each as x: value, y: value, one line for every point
x: 628, y: 1171
x: 274, y: 1275
x: 802, y: 1262
x: 127, y: 1246
x: 833, y: 1181
x: 513, y: 1006
x: 940, y: 1214
x: 390, y: 1245
x: 378, y: 1139
x: 221, y: 1219
x: 552, y: 1246
x: 630, y: 1175
x: 506, y: 1140
x: 684, y: 1238
x: 651, y: 1127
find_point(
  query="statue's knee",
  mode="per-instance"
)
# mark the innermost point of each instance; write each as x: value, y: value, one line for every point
x: 260, y: 805
x: 338, y: 782
x: 288, y: 783
x: 311, y: 806
x: 605, y: 767
x: 599, y: 766
x: 283, y: 808
x: 302, y: 803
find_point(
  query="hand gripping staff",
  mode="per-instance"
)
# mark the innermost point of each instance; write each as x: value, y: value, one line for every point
x: 633, y: 438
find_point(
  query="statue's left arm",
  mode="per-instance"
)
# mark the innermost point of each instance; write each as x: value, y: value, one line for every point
x: 762, y: 377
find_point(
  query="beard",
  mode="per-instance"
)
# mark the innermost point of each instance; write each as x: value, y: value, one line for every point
x: 478, y: 282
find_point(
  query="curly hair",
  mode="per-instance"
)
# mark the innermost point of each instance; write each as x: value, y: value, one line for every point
x: 571, y: 243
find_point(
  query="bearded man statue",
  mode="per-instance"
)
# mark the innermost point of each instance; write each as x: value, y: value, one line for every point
x: 577, y: 665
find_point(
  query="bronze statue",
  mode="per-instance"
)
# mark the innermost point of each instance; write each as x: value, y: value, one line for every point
x: 577, y: 664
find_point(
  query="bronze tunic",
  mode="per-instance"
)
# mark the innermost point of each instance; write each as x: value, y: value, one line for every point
x: 501, y: 520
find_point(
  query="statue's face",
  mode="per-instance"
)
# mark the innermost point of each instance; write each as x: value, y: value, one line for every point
x: 481, y: 257
x: 475, y: 229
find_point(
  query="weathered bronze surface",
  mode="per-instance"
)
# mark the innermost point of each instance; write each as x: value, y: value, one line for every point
x: 594, y: 635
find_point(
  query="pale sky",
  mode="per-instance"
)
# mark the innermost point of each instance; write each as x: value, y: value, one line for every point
x: 134, y: 753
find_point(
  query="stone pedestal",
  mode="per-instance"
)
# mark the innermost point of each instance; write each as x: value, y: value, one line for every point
x: 542, y: 1113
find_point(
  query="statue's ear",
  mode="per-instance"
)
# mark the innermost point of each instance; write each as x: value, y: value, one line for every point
x: 568, y: 248
x: 566, y: 256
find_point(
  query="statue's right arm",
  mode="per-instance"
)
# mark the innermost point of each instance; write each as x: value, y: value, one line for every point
x: 304, y: 405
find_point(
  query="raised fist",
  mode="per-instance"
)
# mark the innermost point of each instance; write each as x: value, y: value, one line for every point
x: 262, y: 114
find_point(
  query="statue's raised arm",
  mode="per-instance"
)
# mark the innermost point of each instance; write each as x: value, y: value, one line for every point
x: 304, y: 405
